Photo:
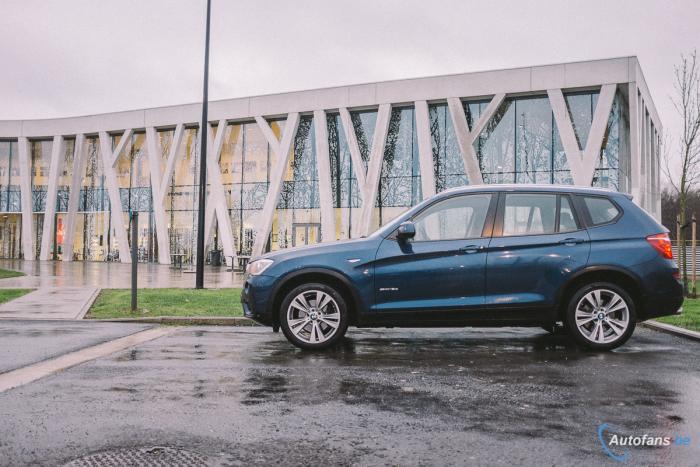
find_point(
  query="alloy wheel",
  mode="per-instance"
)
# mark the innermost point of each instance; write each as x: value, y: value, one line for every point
x: 313, y: 316
x: 602, y: 316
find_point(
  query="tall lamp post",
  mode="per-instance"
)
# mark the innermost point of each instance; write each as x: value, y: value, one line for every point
x: 203, y: 129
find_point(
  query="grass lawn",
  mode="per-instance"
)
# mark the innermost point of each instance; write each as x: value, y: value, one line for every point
x: 10, y: 294
x: 689, y: 319
x: 6, y: 273
x: 116, y: 303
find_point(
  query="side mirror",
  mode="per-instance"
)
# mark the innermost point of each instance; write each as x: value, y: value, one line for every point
x: 406, y: 230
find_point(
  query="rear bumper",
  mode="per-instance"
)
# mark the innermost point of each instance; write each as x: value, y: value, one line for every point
x: 255, y: 297
x: 665, y: 304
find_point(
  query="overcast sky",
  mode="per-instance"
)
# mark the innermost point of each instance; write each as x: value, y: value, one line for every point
x: 76, y: 57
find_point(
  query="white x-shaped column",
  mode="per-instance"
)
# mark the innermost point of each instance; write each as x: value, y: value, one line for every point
x: 582, y: 162
x: 109, y: 161
x: 282, y: 149
x: 27, y: 201
x: 55, y: 168
x: 368, y: 180
x: 160, y: 183
x: 216, y: 201
x: 466, y: 137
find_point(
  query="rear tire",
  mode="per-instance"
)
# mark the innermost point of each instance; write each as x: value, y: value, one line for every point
x: 600, y: 316
x: 314, y: 316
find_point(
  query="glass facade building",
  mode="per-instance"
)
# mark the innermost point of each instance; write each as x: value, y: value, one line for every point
x: 319, y: 159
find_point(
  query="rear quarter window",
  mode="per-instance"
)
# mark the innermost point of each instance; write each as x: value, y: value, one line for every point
x: 600, y: 210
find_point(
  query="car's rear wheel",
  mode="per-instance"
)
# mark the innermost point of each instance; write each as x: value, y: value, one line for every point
x: 601, y: 316
x: 314, y: 316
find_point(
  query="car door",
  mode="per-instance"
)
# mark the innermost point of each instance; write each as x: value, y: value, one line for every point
x: 443, y: 266
x: 538, y: 243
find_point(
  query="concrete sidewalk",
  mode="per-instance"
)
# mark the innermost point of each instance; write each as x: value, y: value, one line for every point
x: 51, y: 303
x: 40, y: 274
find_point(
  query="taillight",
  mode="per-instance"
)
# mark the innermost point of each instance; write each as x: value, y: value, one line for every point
x: 662, y: 244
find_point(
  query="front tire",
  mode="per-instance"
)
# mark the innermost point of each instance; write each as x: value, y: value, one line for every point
x: 314, y: 316
x: 601, y: 316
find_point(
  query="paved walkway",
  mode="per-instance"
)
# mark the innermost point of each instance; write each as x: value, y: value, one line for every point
x: 51, y: 303
x: 110, y: 275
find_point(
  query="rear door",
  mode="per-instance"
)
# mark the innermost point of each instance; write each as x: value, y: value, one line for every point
x: 538, y: 243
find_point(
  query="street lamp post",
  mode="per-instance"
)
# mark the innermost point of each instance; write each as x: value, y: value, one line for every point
x: 203, y: 129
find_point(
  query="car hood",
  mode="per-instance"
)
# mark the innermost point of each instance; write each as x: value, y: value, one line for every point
x: 355, y: 246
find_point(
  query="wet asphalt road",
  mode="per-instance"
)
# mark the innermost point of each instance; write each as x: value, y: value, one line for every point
x: 244, y: 396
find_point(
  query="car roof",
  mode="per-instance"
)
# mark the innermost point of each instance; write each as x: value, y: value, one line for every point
x: 525, y: 187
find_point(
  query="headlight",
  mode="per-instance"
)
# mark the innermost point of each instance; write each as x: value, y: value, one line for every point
x: 258, y: 266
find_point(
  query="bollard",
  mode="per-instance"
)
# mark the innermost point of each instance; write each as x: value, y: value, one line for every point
x: 134, y: 257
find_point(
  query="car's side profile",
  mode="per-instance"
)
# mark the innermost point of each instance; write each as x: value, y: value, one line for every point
x: 492, y: 255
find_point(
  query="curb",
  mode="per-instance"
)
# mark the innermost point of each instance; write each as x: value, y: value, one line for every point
x: 184, y: 320
x: 87, y: 305
x: 670, y: 329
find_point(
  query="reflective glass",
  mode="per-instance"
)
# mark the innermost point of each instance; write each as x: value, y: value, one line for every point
x: 399, y: 182
x: 346, y: 191
x: 448, y: 164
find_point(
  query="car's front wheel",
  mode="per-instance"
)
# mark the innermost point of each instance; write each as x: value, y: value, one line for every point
x: 314, y: 316
x: 601, y: 316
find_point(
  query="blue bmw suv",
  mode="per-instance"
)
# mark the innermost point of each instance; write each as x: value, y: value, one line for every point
x: 488, y: 255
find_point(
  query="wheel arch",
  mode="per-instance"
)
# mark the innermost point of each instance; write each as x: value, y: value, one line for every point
x: 325, y: 276
x: 618, y: 276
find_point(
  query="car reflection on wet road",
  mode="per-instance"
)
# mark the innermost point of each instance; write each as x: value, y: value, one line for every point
x: 458, y: 396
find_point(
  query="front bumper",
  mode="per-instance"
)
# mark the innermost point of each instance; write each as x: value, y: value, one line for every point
x: 256, y: 297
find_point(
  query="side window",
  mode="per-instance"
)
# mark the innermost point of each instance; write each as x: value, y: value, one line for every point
x: 601, y: 210
x: 567, y: 221
x: 453, y: 219
x: 529, y: 214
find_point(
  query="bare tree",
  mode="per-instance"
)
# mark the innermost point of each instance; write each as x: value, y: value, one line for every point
x: 687, y: 103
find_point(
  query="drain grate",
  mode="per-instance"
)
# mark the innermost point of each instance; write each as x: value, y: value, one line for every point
x: 157, y: 456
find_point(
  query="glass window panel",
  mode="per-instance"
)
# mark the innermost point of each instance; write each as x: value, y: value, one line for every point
x: 448, y: 164
x: 455, y: 218
x: 609, y: 172
x: 534, y: 140
x: 399, y: 183
x: 10, y: 235
x: 529, y: 214
x: 496, y: 148
x: 41, y: 161
x: 346, y: 193
x: 9, y: 177
x: 66, y: 175
x: 601, y: 210
x: 567, y: 221
x: 581, y: 108
x: 364, y: 123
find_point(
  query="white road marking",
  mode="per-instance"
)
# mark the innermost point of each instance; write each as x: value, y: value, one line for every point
x: 30, y: 373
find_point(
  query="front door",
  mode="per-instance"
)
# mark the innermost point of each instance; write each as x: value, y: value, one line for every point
x: 442, y: 269
x: 538, y: 244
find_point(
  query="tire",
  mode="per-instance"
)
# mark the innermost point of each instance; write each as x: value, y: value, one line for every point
x: 600, y: 316
x: 308, y: 327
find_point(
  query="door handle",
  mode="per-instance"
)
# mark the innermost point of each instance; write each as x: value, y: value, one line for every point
x: 471, y: 249
x: 571, y: 241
